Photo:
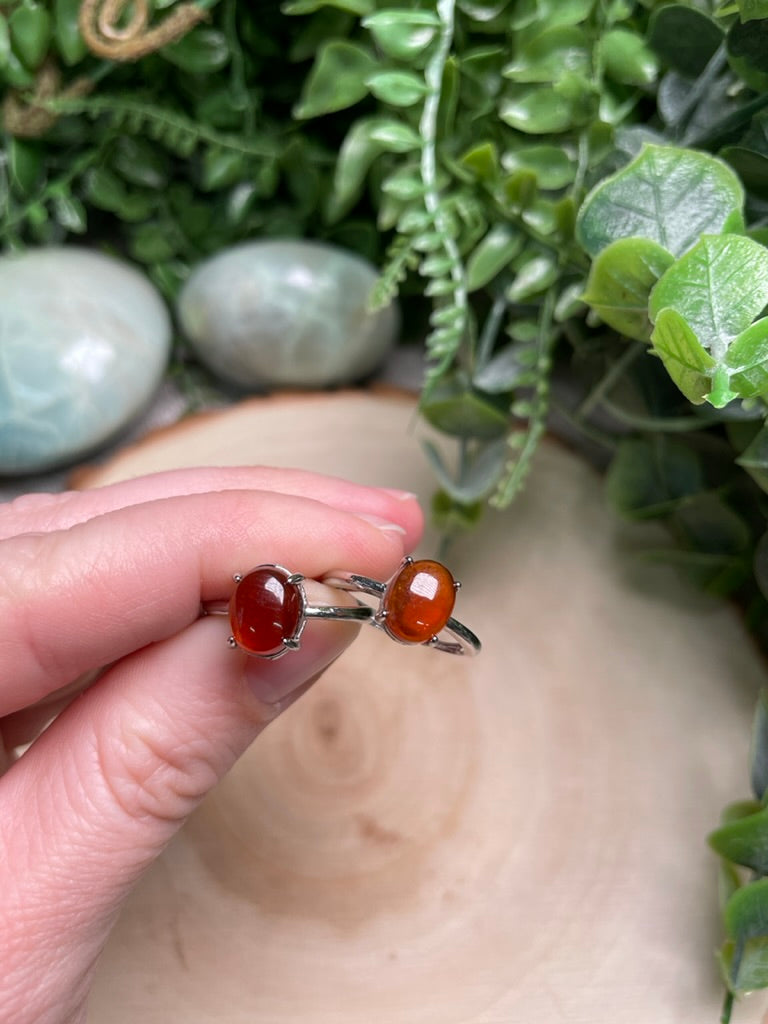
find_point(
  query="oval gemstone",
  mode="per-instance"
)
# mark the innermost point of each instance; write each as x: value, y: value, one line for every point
x: 418, y: 602
x: 264, y: 611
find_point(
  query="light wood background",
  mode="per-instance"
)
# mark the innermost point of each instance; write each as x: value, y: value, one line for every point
x: 517, y: 838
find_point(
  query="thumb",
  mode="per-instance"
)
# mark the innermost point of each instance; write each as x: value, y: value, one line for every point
x: 100, y: 793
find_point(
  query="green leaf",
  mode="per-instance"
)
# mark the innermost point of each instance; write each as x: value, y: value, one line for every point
x: 627, y: 59
x: 553, y: 167
x: 220, y: 169
x: 405, y: 183
x: 508, y: 369
x: 138, y: 162
x: 25, y: 162
x: 70, y: 213
x: 66, y: 31
x: 456, y: 409
x: 337, y: 79
x: 744, y: 841
x: 549, y: 55
x: 31, y: 27
x: 718, y: 287
x: 533, y: 276
x: 748, y: 42
x: 620, y: 283
x: 359, y: 7
x: 667, y: 194
x: 492, y: 255
x: 357, y: 153
x: 482, y: 160
x: 746, y: 920
x: 201, y: 51
x: 398, y: 88
x: 564, y: 12
x: 5, y: 42
x: 394, y: 136
x: 649, y: 476
x: 536, y: 111
x: 689, y: 365
x: 747, y: 358
x: 684, y: 38
x: 402, y: 34
x: 750, y: 10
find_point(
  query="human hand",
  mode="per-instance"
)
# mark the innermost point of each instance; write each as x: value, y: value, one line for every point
x: 115, y: 577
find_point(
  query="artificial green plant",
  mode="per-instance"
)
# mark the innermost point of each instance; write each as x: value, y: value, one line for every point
x: 571, y: 196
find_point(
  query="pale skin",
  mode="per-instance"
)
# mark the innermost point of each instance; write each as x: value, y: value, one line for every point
x: 101, y: 630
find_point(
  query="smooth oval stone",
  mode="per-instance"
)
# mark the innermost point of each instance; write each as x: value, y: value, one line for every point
x: 286, y: 313
x: 84, y: 342
x: 419, y: 601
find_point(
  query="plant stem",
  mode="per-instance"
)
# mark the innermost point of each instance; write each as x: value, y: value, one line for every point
x: 433, y: 76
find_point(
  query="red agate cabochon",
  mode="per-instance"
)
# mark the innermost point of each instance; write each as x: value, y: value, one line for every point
x: 265, y: 610
x: 418, y: 601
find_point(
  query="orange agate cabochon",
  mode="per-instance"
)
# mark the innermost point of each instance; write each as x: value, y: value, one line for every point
x: 265, y: 610
x: 418, y: 601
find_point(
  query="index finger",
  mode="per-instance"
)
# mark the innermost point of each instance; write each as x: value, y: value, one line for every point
x: 74, y: 600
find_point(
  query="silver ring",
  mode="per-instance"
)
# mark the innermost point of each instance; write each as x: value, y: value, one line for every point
x: 415, y: 605
x: 269, y: 610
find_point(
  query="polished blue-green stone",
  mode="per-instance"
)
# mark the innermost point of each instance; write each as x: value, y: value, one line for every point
x: 284, y: 313
x: 84, y: 342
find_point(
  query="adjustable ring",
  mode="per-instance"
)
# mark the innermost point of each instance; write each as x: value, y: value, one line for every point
x: 269, y: 610
x: 415, y: 605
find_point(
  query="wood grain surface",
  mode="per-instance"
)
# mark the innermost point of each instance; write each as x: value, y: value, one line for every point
x: 517, y: 838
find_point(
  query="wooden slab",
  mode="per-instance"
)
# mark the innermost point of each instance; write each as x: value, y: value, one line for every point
x: 514, y: 839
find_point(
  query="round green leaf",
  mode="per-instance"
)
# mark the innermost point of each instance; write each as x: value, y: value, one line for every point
x: 666, y: 194
x: 684, y: 38
x: 552, y: 166
x: 402, y: 34
x: 398, y: 88
x: 337, y: 79
x: 620, y: 283
x: 627, y: 59
x: 719, y: 286
x: 549, y: 55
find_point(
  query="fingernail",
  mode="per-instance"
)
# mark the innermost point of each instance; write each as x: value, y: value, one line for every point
x: 278, y: 682
x: 399, y: 495
x: 380, y: 524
